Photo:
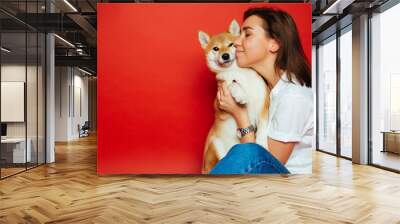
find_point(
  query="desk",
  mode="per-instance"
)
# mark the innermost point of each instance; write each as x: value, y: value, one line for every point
x: 391, y: 141
x: 15, y: 148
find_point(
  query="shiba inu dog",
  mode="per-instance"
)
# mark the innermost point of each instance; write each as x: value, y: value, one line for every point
x: 245, y: 86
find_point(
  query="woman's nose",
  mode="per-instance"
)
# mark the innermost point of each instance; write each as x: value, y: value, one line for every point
x: 238, y: 42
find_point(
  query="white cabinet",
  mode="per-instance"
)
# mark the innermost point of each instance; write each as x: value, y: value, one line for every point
x: 17, y: 146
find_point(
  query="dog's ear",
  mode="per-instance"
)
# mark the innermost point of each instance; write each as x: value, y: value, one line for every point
x: 234, y: 28
x: 204, y: 39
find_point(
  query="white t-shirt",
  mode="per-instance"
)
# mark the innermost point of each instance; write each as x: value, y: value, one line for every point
x: 291, y: 120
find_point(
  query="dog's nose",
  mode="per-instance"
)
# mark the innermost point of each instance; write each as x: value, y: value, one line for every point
x: 225, y: 56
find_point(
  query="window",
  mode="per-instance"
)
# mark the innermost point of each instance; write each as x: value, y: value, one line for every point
x: 327, y: 96
x: 394, y: 102
x: 346, y: 75
x: 385, y: 89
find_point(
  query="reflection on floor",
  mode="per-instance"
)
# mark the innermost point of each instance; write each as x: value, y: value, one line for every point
x: 386, y: 159
x: 10, y: 169
x: 346, y: 152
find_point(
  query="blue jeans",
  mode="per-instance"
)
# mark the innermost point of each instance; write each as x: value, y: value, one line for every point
x: 249, y: 158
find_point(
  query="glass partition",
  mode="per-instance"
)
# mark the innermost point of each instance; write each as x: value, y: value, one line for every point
x: 41, y: 87
x: 22, y: 88
x: 32, y: 95
x: 14, y: 153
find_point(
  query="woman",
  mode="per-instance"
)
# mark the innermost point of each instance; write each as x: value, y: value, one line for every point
x: 269, y: 43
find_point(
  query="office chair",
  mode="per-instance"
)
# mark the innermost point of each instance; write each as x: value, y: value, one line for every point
x: 84, y: 130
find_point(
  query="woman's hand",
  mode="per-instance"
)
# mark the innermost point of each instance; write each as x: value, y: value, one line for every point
x: 239, y: 112
x: 228, y: 104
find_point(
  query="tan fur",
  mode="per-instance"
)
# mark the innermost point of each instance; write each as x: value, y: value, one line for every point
x: 210, y: 158
x: 218, y: 39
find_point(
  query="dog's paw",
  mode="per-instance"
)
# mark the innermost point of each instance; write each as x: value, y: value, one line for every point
x: 238, y: 93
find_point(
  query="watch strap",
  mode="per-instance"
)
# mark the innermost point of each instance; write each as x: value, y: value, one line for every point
x: 245, y: 131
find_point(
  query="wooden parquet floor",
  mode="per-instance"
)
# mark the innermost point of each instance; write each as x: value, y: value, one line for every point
x: 70, y: 191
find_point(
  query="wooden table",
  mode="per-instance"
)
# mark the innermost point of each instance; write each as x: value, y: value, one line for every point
x: 391, y: 141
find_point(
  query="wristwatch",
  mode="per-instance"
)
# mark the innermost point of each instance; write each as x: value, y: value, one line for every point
x: 241, y: 132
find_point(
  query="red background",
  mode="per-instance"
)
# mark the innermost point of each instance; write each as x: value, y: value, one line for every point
x: 155, y: 92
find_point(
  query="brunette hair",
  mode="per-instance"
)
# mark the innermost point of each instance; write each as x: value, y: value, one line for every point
x: 280, y: 26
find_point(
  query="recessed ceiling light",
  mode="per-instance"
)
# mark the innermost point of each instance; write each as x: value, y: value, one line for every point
x: 86, y: 72
x: 64, y: 40
x: 337, y: 7
x: 70, y: 5
x: 5, y: 50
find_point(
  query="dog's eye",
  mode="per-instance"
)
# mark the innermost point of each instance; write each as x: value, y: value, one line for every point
x: 230, y: 45
x: 215, y: 48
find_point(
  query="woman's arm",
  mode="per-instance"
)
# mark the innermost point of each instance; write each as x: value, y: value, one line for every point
x: 242, y: 120
x: 280, y: 150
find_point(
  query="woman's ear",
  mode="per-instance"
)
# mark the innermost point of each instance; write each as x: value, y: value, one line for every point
x: 273, y: 46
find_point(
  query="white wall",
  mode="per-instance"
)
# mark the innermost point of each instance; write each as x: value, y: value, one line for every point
x: 62, y: 78
x: 92, y: 92
x: 80, y: 84
x: 9, y: 73
x: 70, y: 83
x: 12, y: 73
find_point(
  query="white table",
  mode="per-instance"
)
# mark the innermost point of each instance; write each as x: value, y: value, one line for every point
x: 18, y: 149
